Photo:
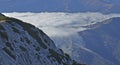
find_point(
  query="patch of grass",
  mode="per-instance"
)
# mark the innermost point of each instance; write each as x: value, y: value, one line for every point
x: 22, y: 48
x: 30, y: 29
x: 21, y: 39
x: 2, y: 17
x: 15, y: 30
x: 67, y: 56
x: 9, y: 53
x: 75, y: 63
x: 27, y: 40
x: 38, y: 56
x: 9, y: 45
x: 4, y: 35
x: 2, y: 28
x: 37, y: 48
x: 56, y: 55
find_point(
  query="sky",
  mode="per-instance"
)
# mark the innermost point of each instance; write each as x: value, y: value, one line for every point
x: 103, y: 6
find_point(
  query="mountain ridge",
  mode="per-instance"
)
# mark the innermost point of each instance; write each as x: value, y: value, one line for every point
x: 23, y: 44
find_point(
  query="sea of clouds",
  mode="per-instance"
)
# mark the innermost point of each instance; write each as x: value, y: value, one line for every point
x: 62, y: 27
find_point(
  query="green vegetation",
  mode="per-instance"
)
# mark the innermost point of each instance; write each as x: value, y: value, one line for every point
x: 4, y: 35
x: 38, y: 56
x: 56, y: 55
x: 59, y: 57
x: 27, y: 40
x: 2, y: 28
x: 21, y: 39
x: 30, y: 29
x: 37, y: 48
x: 75, y: 63
x: 15, y: 30
x: 67, y: 56
x: 9, y: 53
x: 2, y: 17
x: 9, y: 45
x: 22, y: 48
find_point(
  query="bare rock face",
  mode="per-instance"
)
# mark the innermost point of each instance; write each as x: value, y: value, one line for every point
x: 24, y: 44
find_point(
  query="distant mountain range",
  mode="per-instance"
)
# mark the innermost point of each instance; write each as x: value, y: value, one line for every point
x: 103, y: 6
x: 104, y: 39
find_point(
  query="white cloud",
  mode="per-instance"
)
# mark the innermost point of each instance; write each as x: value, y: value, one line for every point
x: 62, y: 26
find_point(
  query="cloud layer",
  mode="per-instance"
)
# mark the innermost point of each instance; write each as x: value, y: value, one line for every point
x: 62, y: 27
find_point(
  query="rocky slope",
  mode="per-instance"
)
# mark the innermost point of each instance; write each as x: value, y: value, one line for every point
x: 24, y: 44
